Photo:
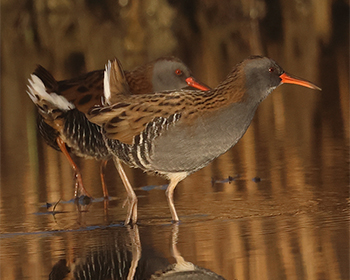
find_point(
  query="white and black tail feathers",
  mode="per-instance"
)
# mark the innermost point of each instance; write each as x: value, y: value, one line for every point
x: 114, y: 83
x: 41, y: 91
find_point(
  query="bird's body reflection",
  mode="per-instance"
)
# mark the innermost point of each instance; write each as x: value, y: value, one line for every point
x: 119, y: 255
x: 183, y: 269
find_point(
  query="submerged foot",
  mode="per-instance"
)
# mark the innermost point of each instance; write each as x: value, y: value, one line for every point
x: 79, y: 190
x: 131, y: 215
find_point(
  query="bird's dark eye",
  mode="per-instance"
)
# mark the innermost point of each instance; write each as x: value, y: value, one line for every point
x: 271, y: 69
x: 178, y: 72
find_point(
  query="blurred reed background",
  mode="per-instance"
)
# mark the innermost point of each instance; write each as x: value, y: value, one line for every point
x: 295, y: 130
x: 71, y: 37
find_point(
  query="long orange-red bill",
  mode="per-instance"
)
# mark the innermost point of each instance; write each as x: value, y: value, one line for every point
x: 288, y: 79
x: 193, y: 83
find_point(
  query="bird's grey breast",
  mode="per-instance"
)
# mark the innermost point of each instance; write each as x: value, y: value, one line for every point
x: 190, y: 146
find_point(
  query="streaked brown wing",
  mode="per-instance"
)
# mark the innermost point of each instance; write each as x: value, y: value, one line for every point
x: 123, y: 121
x: 84, y: 91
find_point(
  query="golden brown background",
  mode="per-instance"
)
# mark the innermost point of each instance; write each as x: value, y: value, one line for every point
x: 291, y: 225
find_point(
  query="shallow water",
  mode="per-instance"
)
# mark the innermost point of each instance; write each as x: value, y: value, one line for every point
x: 283, y: 214
x: 275, y: 206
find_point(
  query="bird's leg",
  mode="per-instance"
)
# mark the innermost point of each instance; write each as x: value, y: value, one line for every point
x: 131, y: 215
x: 180, y: 261
x: 174, y: 236
x: 102, y: 175
x: 79, y: 187
x: 135, y: 250
x: 175, y: 178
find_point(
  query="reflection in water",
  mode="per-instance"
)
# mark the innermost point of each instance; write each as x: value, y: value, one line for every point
x: 183, y: 269
x: 118, y: 254
x: 286, y: 246
x: 115, y: 255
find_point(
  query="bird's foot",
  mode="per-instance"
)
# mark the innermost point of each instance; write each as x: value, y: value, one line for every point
x: 79, y: 190
x: 131, y: 216
x: 125, y: 202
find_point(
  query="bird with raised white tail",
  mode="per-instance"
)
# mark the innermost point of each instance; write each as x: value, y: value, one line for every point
x: 62, y: 105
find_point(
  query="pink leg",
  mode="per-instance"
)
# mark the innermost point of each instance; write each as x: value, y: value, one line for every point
x: 79, y: 187
x: 131, y: 216
x: 102, y: 174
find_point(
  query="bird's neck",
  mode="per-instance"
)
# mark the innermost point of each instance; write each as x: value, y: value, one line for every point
x: 230, y: 115
x: 231, y: 91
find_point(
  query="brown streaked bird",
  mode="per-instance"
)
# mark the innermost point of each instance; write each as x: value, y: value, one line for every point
x: 174, y: 134
x: 62, y: 122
